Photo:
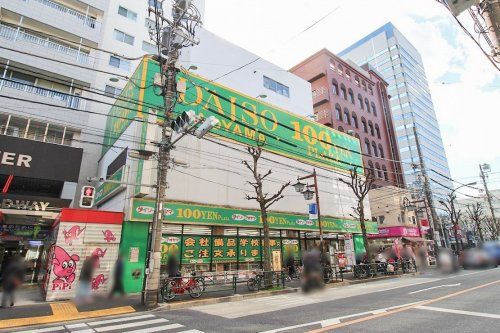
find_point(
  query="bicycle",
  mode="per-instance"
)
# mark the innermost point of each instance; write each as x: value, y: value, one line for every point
x: 179, y: 285
x: 255, y: 283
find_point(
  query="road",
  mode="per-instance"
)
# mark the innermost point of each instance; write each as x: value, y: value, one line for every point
x: 466, y: 302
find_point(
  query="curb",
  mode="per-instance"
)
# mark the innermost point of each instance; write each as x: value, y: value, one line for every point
x: 237, y: 297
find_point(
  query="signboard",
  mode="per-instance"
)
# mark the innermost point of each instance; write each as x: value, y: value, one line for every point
x: 133, y: 254
x: 349, y: 250
x: 142, y: 210
x: 35, y: 159
x: 242, y: 119
x: 34, y: 203
x: 106, y: 191
x: 397, y: 231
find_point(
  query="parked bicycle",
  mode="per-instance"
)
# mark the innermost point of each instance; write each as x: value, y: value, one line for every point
x: 255, y: 283
x: 174, y: 286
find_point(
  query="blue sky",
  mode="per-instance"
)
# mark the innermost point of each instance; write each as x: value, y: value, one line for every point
x: 465, y: 87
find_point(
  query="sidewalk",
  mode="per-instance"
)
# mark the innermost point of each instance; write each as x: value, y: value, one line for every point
x: 32, y: 311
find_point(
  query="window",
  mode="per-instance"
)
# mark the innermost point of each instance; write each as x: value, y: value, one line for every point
x: 123, y: 37
x: 381, y: 219
x: 381, y: 151
x: 127, y: 13
x: 348, y: 74
x: 351, y: 96
x: 357, y: 136
x: 374, y: 110
x: 385, y: 172
x: 379, y: 172
x: 374, y: 149
x: 367, y: 104
x: 356, y: 80
x: 277, y: 87
x: 347, y: 119
x: 119, y: 63
x: 149, y: 23
x: 371, y: 90
x: 370, y: 166
x: 332, y: 65
x: 367, y: 148
x: 363, y: 123
x: 377, y: 130
x: 354, y: 120
x: 155, y: 3
x: 338, y: 112
x: 111, y: 91
x: 360, y: 100
x: 370, y: 125
x: 340, y: 69
x: 335, y: 87
x: 149, y: 48
x: 364, y: 85
x: 343, y: 92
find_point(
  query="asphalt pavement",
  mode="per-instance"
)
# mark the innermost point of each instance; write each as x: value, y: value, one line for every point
x: 465, y: 302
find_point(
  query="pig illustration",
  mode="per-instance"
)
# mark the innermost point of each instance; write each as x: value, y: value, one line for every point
x: 64, y: 267
x: 99, y: 253
x: 72, y: 234
x: 108, y: 236
x: 98, y: 281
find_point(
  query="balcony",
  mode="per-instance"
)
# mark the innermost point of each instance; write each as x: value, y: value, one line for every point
x: 15, y: 35
x: 44, y: 95
x: 66, y: 19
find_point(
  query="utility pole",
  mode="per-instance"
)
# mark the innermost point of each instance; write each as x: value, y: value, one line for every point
x: 170, y: 39
x: 482, y: 169
x: 427, y: 191
x: 490, y: 11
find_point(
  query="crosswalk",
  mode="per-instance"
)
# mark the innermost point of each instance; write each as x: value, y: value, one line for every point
x: 146, y: 323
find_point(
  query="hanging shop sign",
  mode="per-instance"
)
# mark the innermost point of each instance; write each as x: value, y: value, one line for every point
x: 33, y: 203
x: 35, y: 159
x: 107, y: 190
x: 242, y: 119
x: 142, y: 210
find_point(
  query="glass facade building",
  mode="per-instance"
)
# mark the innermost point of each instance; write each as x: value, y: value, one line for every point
x: 399, y: 62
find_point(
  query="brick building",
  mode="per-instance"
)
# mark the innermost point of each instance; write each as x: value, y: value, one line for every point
x: 354, y: 100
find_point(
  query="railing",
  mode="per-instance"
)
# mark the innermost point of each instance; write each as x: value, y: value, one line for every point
x: 364, y: 271
x: 86, y: 20
x: 72, y: 101
x: 13, y: 34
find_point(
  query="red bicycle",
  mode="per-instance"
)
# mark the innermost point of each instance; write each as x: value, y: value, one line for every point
x: 180, y: 285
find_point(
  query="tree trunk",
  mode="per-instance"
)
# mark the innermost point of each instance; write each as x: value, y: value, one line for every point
x: 268, y: 283
x: 478, y: 226
x: 363, y: 229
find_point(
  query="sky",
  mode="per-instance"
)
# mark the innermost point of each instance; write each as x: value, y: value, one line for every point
x: 465, y: 87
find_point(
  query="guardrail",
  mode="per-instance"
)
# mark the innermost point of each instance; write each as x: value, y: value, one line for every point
x: 86, y: 20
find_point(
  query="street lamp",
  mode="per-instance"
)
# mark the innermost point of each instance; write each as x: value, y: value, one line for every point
x: 308, y: 193
x: 299, y: 187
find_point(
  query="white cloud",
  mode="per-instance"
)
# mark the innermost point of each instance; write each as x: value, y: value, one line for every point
x: 467, y: 108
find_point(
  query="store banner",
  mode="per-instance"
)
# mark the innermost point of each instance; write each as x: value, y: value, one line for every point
x: 396, y: 231
x: 107, y: 190
x: 242, y: 119
x: 35, y: 159
x: 142, y: 210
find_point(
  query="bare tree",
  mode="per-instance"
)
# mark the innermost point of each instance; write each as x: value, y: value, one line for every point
x: 454, y: 215
x: 491, y: 227
x: 361, y: 185
x: 265, y: 200
x: 475, y: 214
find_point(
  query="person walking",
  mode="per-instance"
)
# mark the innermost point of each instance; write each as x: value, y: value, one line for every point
x: 85, y: 282
x: 12, y: 279
x: 118, y: 278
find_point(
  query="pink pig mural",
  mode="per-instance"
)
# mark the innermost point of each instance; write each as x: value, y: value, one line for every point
x: 99, y: 253
x: 108, y: 236
x: 72, y: 234
x: 98, y: 281
x: 63, y: 267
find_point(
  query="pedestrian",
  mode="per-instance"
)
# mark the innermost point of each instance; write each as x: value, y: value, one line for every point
x: 85, y: 283
x: 173, y: 265
x: 12, y: 279
x: 290, y: 265
x: 118, y: 278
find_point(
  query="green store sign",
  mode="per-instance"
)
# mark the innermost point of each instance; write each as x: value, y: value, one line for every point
x: 107, y: 190
x: 142, y: 210
x: 242, y: 119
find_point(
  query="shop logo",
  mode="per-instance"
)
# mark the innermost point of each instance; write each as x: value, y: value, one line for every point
x: 309, y: 222
x: 290, y: 241
x: 238, y: 217
x: 108, y: 236
x: 72, y: 234
x: 173, y: 240
x: 145, y: 210
x: 301, y: 222
x: 168, y: 211
x: 98, y: 281
x: 349, y: 225
x: 250, y: 218
x: 64, y: 267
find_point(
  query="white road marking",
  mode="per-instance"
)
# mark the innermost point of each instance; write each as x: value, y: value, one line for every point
x: 76, y: 325
x: 435, y: 287
x: 43, y: 330
x: 191, y: 331
x: 84, y: 331
x: 117, y: 320
x: 157, y: 328
x: 336, y: 320
x: 122, y: 326
x: 462, y: 312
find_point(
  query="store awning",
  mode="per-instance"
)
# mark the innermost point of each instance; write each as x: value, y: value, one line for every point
x: 416, y: 239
